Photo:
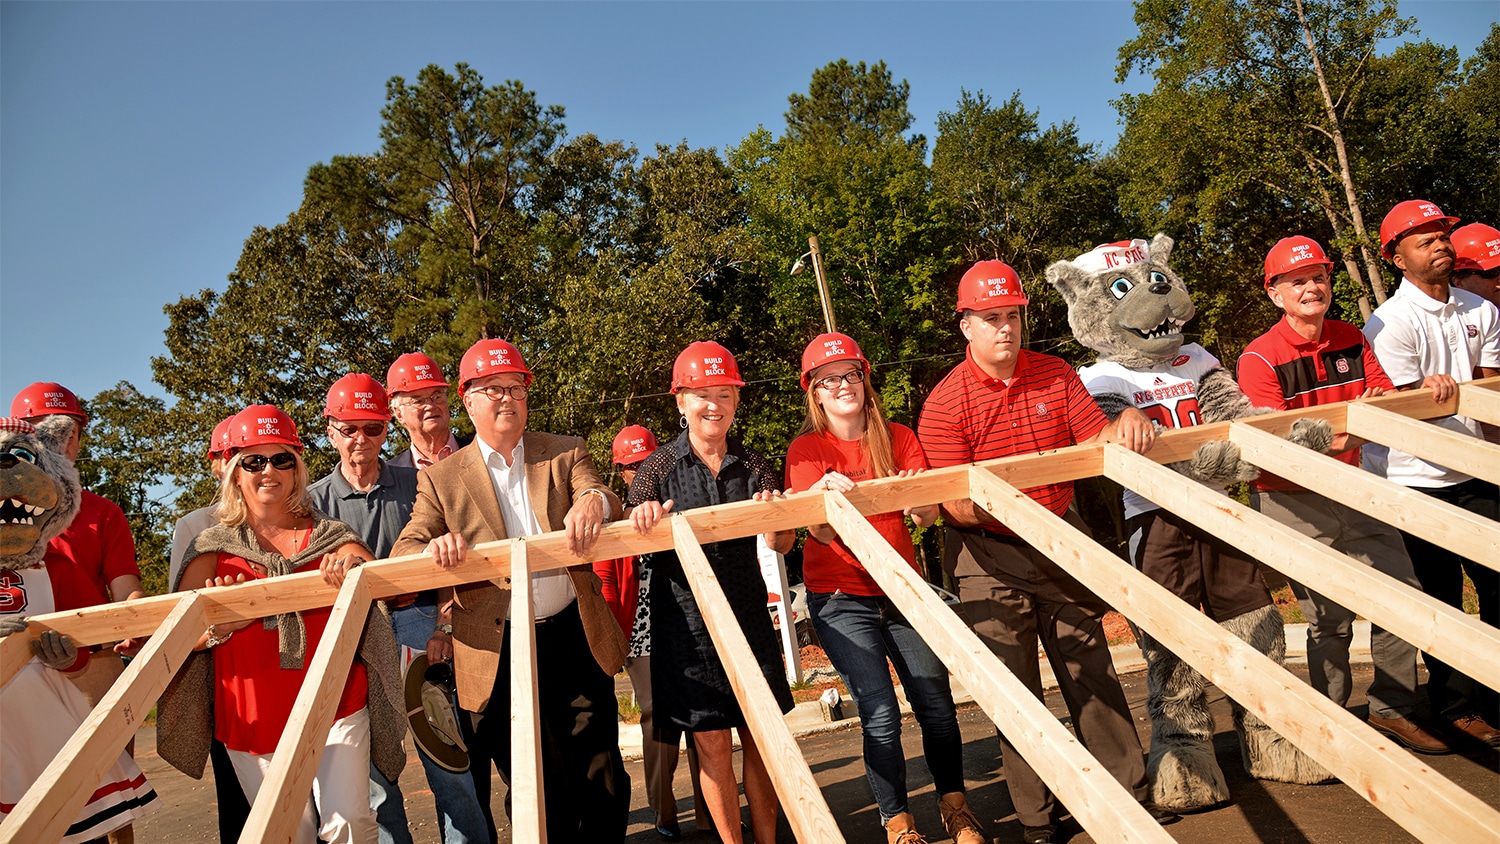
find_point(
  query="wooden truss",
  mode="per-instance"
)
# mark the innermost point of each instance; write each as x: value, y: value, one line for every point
x: 1426, y: 804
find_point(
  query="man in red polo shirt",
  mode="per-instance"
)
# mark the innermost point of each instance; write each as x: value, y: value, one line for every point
x: 1306, y: 360
x: 1000, y: 401
x: 96, y: 552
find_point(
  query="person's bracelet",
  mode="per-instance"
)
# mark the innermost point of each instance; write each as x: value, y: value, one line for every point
x: 214, y: 639
x: 604, y: 501
x: 445, y: 628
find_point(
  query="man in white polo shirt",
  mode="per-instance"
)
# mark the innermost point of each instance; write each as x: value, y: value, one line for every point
x: 1430, y: 334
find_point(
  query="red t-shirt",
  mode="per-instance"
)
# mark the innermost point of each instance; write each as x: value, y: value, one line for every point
x: 971, y: 417
x: 95, y: 549
x: 832, y: 568
x: 1283, y: 371
x: 253, y: 694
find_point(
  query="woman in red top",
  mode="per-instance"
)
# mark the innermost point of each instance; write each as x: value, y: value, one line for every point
x: 268, y: 528
x: 846, y: 439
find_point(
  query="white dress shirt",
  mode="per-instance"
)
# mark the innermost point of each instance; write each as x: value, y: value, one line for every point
x: 551, y: 591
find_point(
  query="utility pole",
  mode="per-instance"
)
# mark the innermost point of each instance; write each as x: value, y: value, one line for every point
x: 823, y: 295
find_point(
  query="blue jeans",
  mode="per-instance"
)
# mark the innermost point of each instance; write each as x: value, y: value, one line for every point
x: 860, y: 633
x: 460, y: 818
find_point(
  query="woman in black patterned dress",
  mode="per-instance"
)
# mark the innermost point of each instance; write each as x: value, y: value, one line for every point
x: 703, y: 467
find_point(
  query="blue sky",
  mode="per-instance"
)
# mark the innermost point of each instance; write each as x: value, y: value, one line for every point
x: 141, y: 142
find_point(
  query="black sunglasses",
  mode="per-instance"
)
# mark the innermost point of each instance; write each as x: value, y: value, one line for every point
x: 256, y: 463
x: 1488, y: 275
x: 371, y: 429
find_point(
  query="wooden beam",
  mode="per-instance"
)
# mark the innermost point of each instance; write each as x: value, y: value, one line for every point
x: 1479, y: 402
x: 528, y: 811
x: 806, y: 810
x: 1091, y: 793
x: 1415, y: 512
x: 491, y: 560
x: 1459, y: 452
x: 1408, y: 791
x: 288, y: 784
x: 52, y: 803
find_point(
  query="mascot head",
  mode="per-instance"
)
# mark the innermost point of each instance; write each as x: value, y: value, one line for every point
x: 1124, y: 302
x: 39, y: 490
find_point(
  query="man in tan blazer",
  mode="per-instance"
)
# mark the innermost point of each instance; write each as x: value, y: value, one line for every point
x: 508, y: 483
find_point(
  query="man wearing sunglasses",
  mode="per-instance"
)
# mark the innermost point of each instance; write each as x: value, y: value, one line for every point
x: 375, y: 498
x: 1477, y: 266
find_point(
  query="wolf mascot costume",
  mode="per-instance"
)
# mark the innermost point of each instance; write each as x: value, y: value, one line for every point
x: 1127, y: 305
x: 39, y: 708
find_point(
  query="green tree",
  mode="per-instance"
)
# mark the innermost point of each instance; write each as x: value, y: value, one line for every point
x: 122, y: 459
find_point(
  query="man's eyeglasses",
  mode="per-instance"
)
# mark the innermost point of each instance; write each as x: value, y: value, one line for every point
x: 256, y: 463
x: 496, y: 392
x: 1487, y: 275
x: 370, y: 429
x: 832, y: 382
x: 437, y: 398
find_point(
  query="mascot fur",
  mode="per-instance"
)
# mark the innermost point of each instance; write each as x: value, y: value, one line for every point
x: 1125, y: 303
x: 39, y: 708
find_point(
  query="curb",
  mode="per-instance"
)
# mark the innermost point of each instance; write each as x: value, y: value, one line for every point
x: 806, y: 719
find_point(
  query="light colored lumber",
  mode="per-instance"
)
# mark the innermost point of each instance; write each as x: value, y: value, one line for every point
x: 1479, y: 402
x: 1408, y: 791
x: 491, y: 560
x: 52, y: 803
x: 1090, y: 792
x: 1456, y: 529
x: 1459, y: 452
x: 528, y: 814
x: 806, y: 810
x: 288, y: 783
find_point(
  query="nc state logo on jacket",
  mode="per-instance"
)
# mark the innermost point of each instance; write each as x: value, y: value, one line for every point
x: 1342, y: 366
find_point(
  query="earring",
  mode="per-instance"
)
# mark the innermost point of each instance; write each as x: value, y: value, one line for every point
x: 682, y: 421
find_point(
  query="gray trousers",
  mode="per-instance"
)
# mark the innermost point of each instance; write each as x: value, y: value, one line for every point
x: 1013, y: 596
x: 1330, y: 626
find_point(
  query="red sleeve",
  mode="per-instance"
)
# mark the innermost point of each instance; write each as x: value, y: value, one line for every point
x: 116, y: 545
x: 909, y: 454
x: 1085, y: 419
x: 1374, y: 373
x: 1258, y: 380
x: 941, y: 431
x: 803, y: 466
x: 614, y: 574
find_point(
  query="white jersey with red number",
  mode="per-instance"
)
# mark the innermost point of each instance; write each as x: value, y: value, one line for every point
x: 1167, y: 393
x: 39, y: 710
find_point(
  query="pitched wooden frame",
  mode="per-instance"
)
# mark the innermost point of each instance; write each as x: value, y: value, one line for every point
x: 1439, y: 445
x: 1248, y: 682
x: 1480, y: 400
x: 806, y: 810
x: 288, y: 784
x: 1090, y: 792
x: 1409, y: 792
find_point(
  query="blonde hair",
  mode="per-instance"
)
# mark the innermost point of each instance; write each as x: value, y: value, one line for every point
x: 232, y: 509
x: 876, y: 440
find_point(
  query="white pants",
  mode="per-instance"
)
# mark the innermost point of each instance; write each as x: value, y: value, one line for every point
x: 341, y: 788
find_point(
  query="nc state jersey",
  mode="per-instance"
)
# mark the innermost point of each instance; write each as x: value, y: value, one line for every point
x: 1167, y: 393
x: 26, y: 592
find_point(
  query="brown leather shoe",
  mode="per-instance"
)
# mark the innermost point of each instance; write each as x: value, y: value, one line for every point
x: 1408, y: 734
x: 1478, y: 729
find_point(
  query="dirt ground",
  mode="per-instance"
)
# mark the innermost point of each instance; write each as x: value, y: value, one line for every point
x: 1262, y: 811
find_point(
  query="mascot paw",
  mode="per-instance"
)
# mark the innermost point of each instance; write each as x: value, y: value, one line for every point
x: 1315, y: 434
x: 1219, y: 462
x: 12, y: 624
x: 55, y: 650
x: 1269, y: 756
x: 1186, y: 778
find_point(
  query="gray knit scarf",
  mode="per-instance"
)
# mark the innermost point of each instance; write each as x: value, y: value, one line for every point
x: 327, y: 536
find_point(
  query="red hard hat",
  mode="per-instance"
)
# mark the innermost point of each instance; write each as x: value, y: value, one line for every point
x: 1477, y: 246
x: 1293, y: 252
x: 705, y: 364
x: 413, y: 371
x: 218, y: 441
x: 989, y: 284
x: 357, y: 397
x: 261, y: 424
x: 633, y: 444
x: 491, y: 357
x: 1405, y: 217
x: 47, y: 398
x: 831, y: 348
